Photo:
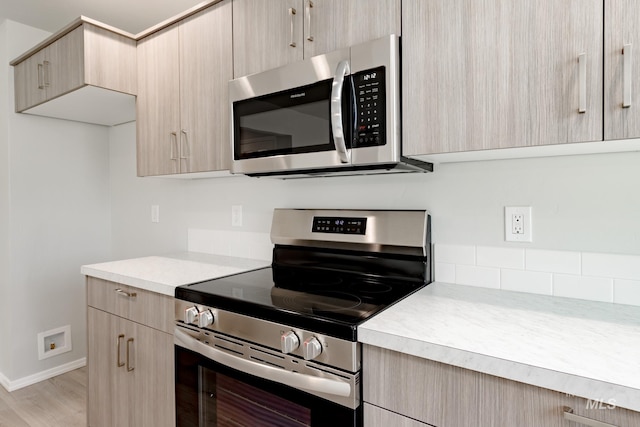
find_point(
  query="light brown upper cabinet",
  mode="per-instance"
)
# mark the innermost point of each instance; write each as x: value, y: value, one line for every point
x: 85, y: 72
x: 182, y: 106
x: 621, y: 72
x: 496, y: 74
x: 271, y: 33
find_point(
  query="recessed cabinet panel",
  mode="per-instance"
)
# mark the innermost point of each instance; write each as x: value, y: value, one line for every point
x: 495, y: 74
x: 206, y: 66
x: 622, y: 69
x: 158, y: 103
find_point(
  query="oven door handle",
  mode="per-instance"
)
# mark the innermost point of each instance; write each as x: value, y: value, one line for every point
x: 336, y: 111
x: 292, y: 379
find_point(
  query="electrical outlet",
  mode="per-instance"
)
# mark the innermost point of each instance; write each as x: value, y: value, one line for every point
x: 155, y: 213
x: 236, y: 216
x: 517, y: 224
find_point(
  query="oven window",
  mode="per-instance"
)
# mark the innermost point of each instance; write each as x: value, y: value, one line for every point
x: 212, y: 395
x: 229, y: 402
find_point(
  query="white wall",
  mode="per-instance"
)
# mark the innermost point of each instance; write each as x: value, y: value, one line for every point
x: 4, y: 199
x: 587, y: 203
x: 56, y: 196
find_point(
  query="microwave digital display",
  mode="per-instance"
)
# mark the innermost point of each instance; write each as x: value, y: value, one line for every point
x: 370, y: 103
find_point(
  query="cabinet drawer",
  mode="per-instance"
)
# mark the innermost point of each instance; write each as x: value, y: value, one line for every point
x: 445, y: 395
x: 148, y: 308
x: 378, y: 417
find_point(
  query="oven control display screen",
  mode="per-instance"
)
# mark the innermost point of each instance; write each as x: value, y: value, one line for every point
x: 339, y: 225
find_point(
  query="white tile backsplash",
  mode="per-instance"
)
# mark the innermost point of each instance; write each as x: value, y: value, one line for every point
x: 240, y: 244
x: 626, y: 291
x: 582, y: 275
x: 553, y: 261
x: 455, y: 254
x: 445, y: 272
x: 478, y: 276
x: 610, y: 265
x: 500, y: 257
x: 591, y: 288
x: 533, y: 282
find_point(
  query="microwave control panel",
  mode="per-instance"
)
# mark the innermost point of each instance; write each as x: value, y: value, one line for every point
x: 369, y: 88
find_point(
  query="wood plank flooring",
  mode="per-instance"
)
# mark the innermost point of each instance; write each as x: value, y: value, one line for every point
x: 57, y: 402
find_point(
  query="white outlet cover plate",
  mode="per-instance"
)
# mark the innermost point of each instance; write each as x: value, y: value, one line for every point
x: 527, y: 235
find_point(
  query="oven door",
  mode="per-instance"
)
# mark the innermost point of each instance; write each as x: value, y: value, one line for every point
x: 210, y: 393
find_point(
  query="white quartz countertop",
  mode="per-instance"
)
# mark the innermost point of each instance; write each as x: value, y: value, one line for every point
x: 584, y: 348
x: 162, y: 274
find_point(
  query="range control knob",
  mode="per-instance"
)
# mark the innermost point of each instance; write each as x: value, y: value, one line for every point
x: 311, y: 348
x: 289, y: 342
x: 190, y: 315
x: 205, y: 319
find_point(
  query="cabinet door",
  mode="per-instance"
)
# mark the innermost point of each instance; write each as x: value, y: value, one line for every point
x: 151, y: 353
x: 158, y: 103
x: 109, y: 388
x: 65, y: 71
x: 29, y: 82
x: 206, y: 66
x: 336, y: 24
x: 263, y: 34
x: 622, y: 117
x: 497, y: 74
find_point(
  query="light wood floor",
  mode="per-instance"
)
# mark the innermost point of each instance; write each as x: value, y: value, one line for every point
x: 56, y: 402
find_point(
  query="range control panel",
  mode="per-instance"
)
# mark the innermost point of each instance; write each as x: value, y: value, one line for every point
x: 370, y: 107
x: 339, y: 225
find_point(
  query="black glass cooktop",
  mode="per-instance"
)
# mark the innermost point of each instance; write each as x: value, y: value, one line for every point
x: 325, y: 302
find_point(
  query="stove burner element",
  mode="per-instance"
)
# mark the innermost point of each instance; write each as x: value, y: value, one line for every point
x: 370, y: 288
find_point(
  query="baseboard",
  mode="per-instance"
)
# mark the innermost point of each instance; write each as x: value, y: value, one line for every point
x: 40, y: 376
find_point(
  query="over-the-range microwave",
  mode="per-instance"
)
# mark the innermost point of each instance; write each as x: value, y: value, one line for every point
x: 337, y: 113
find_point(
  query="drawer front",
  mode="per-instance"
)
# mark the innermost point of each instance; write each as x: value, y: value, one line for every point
x: 378, y: 417
x: 141, y: 306
x: 445, y: 395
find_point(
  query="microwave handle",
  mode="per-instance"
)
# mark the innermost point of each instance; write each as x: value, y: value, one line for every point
x: 336, y: 111
x: 292, y: 379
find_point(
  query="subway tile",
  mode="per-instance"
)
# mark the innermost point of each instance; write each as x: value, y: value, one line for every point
x: 582, y: 287
x: 487, y: 256
x: 445, y: 273
x: 526, y: 281
x: 610, y: 265
x: 478, y: 276
x: 207, y: 241
x: 563, y: 262
x: 626, y: 292
x: 455, y: 254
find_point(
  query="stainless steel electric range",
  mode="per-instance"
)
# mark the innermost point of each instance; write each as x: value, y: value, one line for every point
x: 278, y: 346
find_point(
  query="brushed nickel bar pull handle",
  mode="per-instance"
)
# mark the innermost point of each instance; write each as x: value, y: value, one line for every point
x: 186, y: 138
x: 570, y: 416
x: 173, y: 142
x: 309, y: 7
x: 627, y: 61
x: 126, y: 294
x: 582, y: 82
x: 40, y: 76
x: 118, y: 341
x: 292, y: 12
x: 47, y: 77
x: 130, y: 366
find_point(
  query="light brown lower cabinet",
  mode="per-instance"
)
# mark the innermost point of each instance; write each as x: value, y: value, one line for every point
x: 413, y: 390
x: 130, y: 365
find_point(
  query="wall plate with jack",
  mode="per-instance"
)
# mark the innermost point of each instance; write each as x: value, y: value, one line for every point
x: 517, y: 224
